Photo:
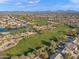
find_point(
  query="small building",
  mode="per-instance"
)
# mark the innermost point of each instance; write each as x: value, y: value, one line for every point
x: 59, y: 56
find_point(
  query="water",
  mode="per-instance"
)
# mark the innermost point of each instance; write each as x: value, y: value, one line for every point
x: 7, y: 29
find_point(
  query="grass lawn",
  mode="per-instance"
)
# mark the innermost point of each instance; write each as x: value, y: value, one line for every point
x: 40, y: 21
x: 35, y: 40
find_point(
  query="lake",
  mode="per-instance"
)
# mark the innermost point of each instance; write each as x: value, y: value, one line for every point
x: 7, y: 29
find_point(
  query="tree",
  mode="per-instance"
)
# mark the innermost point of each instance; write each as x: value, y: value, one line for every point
x: 22, y: 17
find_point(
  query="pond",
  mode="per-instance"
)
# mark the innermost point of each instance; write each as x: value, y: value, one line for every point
x: 7, y: 29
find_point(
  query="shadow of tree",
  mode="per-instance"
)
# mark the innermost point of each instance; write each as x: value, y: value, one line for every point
x: 46, y: 43
x: 30, y: 50
x: 38, y: 47
x: 55, y: 39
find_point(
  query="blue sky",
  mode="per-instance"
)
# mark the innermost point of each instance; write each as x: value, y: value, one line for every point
x: 38, y: 5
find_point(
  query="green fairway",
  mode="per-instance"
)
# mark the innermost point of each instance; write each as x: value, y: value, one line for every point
x: 35, y: 40
x: 40, y: 21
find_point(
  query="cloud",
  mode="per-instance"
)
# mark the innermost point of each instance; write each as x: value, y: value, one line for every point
x: 4, y: 1
x: 33, y: 1
x: 75, y: 1
x: 18, y: 3
x: 21, y: 6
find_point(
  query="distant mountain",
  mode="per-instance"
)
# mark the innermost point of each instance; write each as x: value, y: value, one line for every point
x: 48, y: 11
x: 66, y: 11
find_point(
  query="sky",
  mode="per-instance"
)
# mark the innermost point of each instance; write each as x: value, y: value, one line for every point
x: 38, y: 5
